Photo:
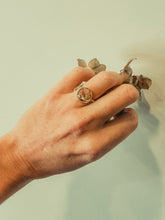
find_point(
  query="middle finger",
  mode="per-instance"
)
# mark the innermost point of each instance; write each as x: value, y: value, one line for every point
x: 112, y: 103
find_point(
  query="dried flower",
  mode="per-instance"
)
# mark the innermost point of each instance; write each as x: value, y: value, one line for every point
x: 82, y: 63
x: 126, y: 72
x: 100, y: 68
x: 140, y: 82
x: 94, y: 64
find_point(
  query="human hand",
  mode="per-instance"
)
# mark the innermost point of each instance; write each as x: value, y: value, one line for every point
x: 59, y: 133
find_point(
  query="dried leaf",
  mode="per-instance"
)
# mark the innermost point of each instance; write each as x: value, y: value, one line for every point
x: 81, y: 63
x: 144, y: 83
x: 141, y: 82
x: 100, y: 68
x: 93, y: 63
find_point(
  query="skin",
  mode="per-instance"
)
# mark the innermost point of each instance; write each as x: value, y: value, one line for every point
x: 59, y: 133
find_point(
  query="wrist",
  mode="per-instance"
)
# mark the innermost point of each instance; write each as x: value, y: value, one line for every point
x: 12, y: 170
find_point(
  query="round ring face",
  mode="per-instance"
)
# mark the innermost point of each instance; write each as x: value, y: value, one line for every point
x: 85, y: 94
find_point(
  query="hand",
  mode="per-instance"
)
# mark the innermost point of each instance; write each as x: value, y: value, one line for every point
x: 59, y: 133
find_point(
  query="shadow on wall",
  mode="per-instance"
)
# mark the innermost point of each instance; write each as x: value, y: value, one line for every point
x: 150, y: 62
x: 126, y: 183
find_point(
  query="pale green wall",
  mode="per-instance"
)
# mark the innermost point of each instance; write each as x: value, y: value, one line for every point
x: 39, y: 43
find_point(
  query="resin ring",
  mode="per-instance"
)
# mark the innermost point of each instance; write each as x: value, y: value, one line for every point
x: 84, y: 94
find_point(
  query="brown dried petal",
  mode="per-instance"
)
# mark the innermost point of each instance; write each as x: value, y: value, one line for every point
x: 93, y: 63
x: 144, y: 83
x: 81, y: 63
x: 100, y: 68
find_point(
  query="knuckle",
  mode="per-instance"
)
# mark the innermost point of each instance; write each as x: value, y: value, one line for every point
x: 92, y: 154
x: 90, y: 151
x: 78, y: 127
x: 78, y: 68
x: 130, y: 91
x: 84, y: 71
x: 107, y: 75
x: 80, y: 122
x: 133, y: 118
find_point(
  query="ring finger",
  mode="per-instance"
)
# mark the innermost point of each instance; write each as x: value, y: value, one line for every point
x: 99, y: 84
